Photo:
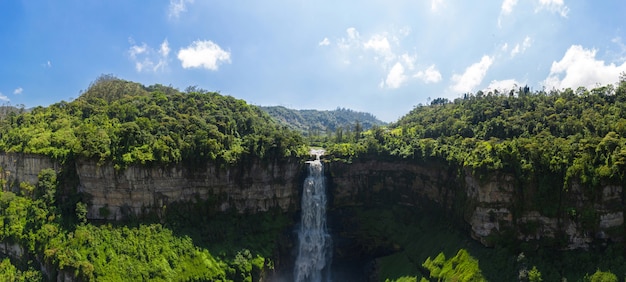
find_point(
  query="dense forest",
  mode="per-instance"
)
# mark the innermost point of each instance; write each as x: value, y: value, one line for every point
x: 319, y: 126
x: 121, y: 123
x: 566, y: 134
x: 128, y: 123
x: 548, y: 139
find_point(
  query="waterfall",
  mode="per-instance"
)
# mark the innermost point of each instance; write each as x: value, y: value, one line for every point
x: 314, y: 242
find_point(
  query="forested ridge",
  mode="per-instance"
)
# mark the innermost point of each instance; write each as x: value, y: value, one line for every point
x: 548, y: 141
x: 314, y: 123
x: 122, y: 123
x: 128, y: 123
x: 567, y: 134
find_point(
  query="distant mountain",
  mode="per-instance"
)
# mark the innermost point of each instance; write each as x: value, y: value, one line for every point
x: 321, y: 121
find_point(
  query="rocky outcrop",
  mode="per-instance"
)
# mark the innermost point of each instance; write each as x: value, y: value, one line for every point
x: 492, y: 205
x: 17, y: 168
x: 255, y: 187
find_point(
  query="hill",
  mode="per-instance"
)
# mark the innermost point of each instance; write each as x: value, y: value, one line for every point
x: 315, y: 122
x: 126, y: 123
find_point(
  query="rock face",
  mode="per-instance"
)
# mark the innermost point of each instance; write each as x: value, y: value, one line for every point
x: 16, y: 168
x: 492, y: 205
x: 251, y: 188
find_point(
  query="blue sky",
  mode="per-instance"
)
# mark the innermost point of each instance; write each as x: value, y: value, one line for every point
x: 383, y: 57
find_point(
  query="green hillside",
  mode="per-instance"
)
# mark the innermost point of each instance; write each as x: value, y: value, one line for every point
x: 321, y: 122
x: 127, y: 123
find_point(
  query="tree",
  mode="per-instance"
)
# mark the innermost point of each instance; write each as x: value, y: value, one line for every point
x: 46, y: 185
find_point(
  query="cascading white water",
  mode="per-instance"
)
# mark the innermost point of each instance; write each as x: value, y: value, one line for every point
x: 314, y: 248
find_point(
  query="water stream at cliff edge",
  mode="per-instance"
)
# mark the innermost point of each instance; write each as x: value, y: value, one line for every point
x: 314, y: 242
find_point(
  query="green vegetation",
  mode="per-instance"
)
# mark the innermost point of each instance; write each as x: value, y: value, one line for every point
x: 128, y: 123
x: 111, y: 253
x: 461, y: 267
x: 124, y: 123
x: 546, y: 140
x: 323, y: 127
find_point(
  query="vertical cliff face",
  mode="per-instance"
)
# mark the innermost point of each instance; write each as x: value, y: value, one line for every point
x: 493, y: 205
x: 254, y: 187
x: 16, y: 168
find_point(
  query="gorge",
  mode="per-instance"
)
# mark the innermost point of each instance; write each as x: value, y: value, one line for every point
x: 515, y: 179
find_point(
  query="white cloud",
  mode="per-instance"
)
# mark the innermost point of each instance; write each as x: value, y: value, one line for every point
x: 48, y: 64
x: 429, y: 75
x: 502, y: 85
x: 4, y: 98
x: 351, y: 41
x: 507, y: 6
x: 324, y: 42
x: 165, y: 48
x: 177, y: 7
x: 203, y: 54
x: 408, y: 60
x: 505, y: 47
x: 521, y: 48
x: 378, y: 43
x: 396, y: 77
x: 435, y: 4
x: 472, y: 76
x: 506, y: 9
x: 18, y: 91
x: 555, y: 6
x: 148, y: 59
x: 352, y: 33
x: 581, y: 68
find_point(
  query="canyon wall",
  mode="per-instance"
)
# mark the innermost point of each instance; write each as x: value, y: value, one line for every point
x: 494, y: 206
x: 254, y: 186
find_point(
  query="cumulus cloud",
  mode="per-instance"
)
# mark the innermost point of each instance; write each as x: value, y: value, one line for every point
x: 346, y: 43
x: 507, y: 6
x: 472, y: 76
x: 429, y: 75
x: 4, y: 98
x: 18, y: 91
x: 502, y: 85
x: 579, y: 67
x: 555, y: 6
x: 378, y: 43
x: 520, y: 48
x: 203, y: 54
x: 177, y: 7
x: 506, y: 9
x: 146, y: 58
x: 408, y: 60
x: 324, y: 42
x: 395, y: 77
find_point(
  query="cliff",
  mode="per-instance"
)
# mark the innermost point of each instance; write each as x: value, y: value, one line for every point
x: 253, y: 187
x: 250, y: 187
x: 494, y: 206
